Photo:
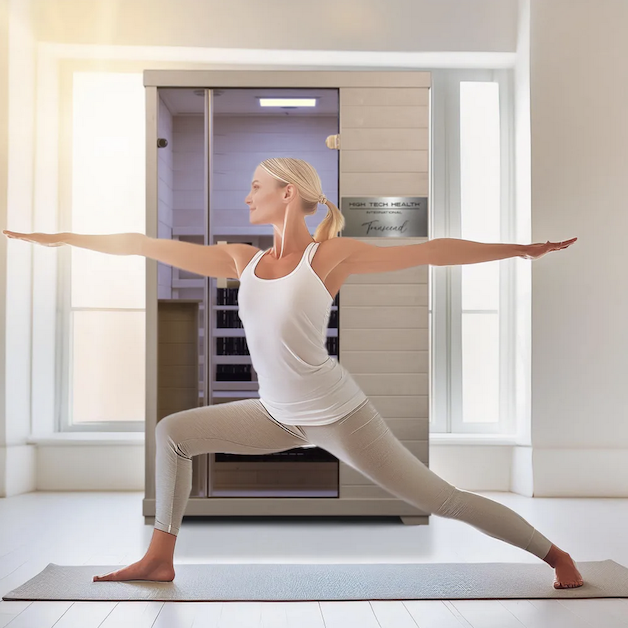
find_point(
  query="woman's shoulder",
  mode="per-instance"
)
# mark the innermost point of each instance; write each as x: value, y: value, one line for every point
x: 242, y: 254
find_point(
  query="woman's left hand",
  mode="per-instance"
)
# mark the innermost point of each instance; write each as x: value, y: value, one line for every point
x: 45, y: 239
x: 534, y: 251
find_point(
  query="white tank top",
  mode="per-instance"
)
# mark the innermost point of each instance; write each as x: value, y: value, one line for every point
x: 285, y: 321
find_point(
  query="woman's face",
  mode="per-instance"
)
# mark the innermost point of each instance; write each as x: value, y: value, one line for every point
x: 266, y: 200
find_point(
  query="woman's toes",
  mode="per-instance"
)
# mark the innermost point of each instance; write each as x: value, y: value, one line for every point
x: 567, y: 585
x: 120, y: 574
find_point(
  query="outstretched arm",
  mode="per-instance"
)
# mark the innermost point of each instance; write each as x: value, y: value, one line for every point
x: 360, y: 257
x: 216, y: 260
x: 455, y: 252
x: 114, y: 244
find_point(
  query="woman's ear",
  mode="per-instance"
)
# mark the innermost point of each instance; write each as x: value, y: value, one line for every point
x: 290, y: 192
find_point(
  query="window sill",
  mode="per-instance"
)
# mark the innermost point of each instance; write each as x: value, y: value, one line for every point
x: 137, y: 438
x: 473, y: 439
x: 87, y: 438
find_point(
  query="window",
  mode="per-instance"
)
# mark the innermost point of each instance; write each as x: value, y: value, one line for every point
x: 471, y: 340
x: 104, y: 341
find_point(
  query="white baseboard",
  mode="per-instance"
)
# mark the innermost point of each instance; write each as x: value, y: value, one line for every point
x: 523, y: 470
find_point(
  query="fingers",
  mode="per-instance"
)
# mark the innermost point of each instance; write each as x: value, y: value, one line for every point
x: 27, y: 237
x: 564, y: 244
x: 14, y: 234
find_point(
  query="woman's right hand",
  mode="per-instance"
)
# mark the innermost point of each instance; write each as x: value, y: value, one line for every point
x: 45, y: 239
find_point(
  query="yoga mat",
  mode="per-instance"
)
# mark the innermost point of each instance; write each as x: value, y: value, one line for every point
x: 318, y: 582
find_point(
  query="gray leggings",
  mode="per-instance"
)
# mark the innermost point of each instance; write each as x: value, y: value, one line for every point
x: 361, y: 439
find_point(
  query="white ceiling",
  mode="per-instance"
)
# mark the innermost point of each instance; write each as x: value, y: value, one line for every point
x: 187, y: 101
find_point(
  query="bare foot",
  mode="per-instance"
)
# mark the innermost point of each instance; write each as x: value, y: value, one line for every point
x: 141, y: 570
x: 567, y: 575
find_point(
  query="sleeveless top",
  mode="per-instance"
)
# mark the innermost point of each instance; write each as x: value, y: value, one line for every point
x: 285, y: 322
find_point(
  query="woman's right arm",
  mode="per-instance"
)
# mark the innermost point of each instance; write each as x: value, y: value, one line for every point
x: 114, y: 244
x: 215, y: 260
x: 212, y: 260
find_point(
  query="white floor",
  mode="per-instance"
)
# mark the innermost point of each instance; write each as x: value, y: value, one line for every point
x: 102, y: 528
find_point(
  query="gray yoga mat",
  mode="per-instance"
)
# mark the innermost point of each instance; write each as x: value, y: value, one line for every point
x: 316, y: 582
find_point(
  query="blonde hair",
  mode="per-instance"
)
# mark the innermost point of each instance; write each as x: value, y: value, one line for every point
x: 304, y: 176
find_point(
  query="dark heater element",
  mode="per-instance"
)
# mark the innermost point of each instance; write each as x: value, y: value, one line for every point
x: 228, y: 319
x: 299, y: 454
x: 332, y: 345
x: 232, y: 345
x: 233, y: 373
x: 227, y: 296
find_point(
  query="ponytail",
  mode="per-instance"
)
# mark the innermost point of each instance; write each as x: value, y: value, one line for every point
x: 333, y: 222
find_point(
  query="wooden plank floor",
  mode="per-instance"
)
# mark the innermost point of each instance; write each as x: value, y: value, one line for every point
x: 107, y: 528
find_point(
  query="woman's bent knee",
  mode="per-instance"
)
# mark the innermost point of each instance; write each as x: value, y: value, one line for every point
x: 166, y: 435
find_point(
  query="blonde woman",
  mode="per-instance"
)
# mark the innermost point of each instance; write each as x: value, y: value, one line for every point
x: 306, y: 397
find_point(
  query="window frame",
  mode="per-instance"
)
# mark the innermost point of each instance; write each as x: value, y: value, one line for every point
x: 446, y: 281
x: 63, y: 385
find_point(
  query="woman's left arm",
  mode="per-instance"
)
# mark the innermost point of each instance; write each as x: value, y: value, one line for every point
x: 452, y: 252
x: 360, y: 257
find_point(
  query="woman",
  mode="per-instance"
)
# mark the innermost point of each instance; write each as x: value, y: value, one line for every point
x: 306, y: 397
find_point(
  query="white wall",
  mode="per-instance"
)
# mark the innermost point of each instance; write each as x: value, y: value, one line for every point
x: 579, y: 90
x: 17, y: 459
x: 4, y: 181
x: 521, y: 464
x: 395, y: 25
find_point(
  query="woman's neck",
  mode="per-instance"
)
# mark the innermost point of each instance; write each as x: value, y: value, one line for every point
x: 293, y: 250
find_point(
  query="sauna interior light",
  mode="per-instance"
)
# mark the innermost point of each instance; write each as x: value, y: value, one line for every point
x: 287, y: 102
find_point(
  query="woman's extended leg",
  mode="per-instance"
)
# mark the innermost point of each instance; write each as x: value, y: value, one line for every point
x: 363, y: 440
x: 239, y: 427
